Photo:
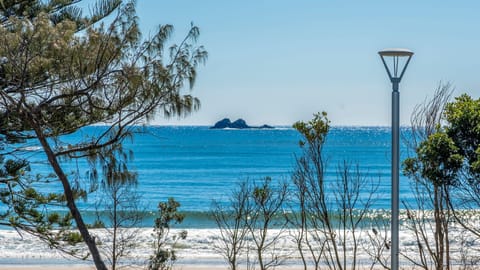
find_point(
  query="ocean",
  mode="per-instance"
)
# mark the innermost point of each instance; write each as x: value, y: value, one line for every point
x: 196, y: 164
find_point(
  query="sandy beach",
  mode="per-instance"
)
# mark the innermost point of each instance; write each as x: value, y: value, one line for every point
x: 74, y: 266
x: 199, y: 251
x: 83, y: 267
x: 45, y: 267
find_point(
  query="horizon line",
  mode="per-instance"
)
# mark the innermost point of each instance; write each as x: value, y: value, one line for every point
x: 280, y: 125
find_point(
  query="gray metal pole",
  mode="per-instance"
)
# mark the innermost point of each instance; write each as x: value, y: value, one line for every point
x: 396, y: 54
x: 395, y: 173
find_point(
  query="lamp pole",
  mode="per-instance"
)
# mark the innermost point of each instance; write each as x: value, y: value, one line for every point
x: 395, y: 78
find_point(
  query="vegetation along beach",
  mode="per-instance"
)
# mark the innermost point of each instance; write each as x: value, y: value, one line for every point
x: 117, y: 150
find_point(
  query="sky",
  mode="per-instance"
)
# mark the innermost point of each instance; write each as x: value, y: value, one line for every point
x: 277, y: 62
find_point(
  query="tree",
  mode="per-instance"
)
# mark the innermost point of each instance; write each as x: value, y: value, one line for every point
x: 445, y: 139
x: 61, y: 71
x: 267, y: 202
x: 119, y: 209
x: 120, y: 217
x: 428, y: 116
x: 246, y: 224
x: 57, y: 10
x: 309, y: 173
x: 232, y: 222
x: 330, y: 211
x: 164, y: 254
x: 463, y: 127
x: 431, y: 184
x: 436, y: 167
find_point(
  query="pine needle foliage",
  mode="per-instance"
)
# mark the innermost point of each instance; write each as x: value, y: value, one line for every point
x: 62, y: 70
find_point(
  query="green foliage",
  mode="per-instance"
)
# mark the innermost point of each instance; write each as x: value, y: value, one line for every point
x: 164, y: 253
x: 14, y: 168
x: 262, y: 193
x: 74, y: 80
x: 58, y: 10
x: 168, y: 214
x: 265, y: 204
x: 98, y: 224
x: 119, y: 208
x: 60, y: 71
x: 453, y: 151
x: 26, y: 206
x: 267, y: 200
x: 463, y: 126
x: 72, y: 238
x: 445, y: 172
x: 453, y: 148
x: 315, y: 131
x: 438, y: 160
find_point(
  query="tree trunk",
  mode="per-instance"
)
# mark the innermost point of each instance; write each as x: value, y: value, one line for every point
x: 446, y: 223
x: 115, y: 228
x: 438, y: 228
x: 82, y: 228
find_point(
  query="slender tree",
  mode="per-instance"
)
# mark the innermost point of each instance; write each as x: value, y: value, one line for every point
x: 445, y: 140
x: 268, y: 201
x: 164, y: 245
x: 308, y: 174
x: 429, y: 184
x: 119, y: 209
x: 463, y: 127
x: 61, y: 71
x: 232, y: 221
x: 331, y: 211
x: 436, y: 167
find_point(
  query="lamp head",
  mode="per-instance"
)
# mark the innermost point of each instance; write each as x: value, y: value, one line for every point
x: 399, y: 52
x: 399, y: 57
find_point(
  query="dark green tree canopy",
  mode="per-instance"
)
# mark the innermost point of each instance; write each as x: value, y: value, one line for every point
x: 437, y: 160
x: 463, y: 117
x: 453, y: 151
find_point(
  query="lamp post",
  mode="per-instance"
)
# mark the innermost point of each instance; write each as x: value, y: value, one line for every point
x: 398, y: 57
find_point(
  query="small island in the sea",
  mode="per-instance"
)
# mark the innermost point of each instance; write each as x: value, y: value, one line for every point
x: 238, y: 124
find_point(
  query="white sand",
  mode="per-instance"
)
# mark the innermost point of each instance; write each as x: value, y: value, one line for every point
x: 196, y: 252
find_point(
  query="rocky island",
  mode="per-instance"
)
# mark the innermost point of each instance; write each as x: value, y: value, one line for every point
x: 238, y: 124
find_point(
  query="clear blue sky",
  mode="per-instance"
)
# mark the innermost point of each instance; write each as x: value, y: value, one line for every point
x: 277, y: 62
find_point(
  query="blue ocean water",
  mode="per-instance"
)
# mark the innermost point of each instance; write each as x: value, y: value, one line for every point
x: 198, y: 164
x: 195, y: 164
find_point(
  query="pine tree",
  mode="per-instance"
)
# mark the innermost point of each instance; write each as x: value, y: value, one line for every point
x: 60, y: 71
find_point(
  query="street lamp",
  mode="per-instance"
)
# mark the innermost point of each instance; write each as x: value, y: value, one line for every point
x: 399, y: 58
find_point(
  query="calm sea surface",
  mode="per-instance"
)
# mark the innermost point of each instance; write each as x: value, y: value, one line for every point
x: 196, y: 164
